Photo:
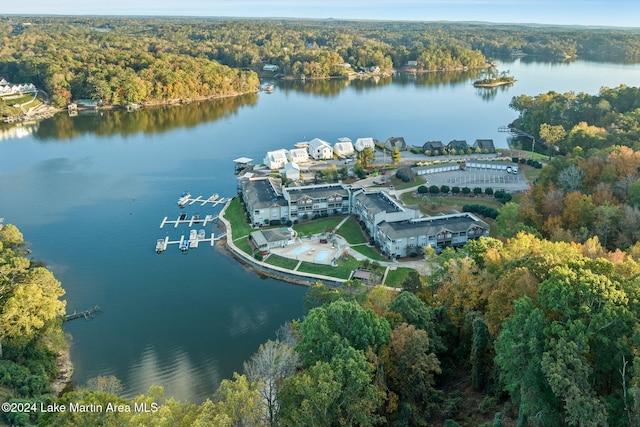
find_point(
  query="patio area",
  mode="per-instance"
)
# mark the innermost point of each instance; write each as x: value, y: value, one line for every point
x: 311, y: 250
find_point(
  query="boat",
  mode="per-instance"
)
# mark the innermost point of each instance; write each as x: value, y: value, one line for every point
x: 183, y: 217
x: 193, y: 239
x: 267, y: 87
x: 196, y: 217
x: 201, y: 234
x: 184, y: 245
x: 160, y: 246
x: 184, y: 199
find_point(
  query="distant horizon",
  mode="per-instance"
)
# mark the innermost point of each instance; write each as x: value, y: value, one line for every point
x: 587, y: 13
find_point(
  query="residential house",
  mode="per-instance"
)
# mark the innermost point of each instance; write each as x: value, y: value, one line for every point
x: 412, y: 63
x: 393, y: 142
x: 291, y: 171
x: 314, y: 201
x: 276, y: 159
x: 320, y: 150
x: 374, y: 207
x: 264, y: 200
x: 399, y: 239
x: 270, y: 67
x: 362, y: 143
x: 298, y: 155
x: 435, y: 147
x: 343, y: 148
x: 486, y: 145
x: 460, y: 146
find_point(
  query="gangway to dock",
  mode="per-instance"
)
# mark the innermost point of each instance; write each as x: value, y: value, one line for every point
x: 195, y: 219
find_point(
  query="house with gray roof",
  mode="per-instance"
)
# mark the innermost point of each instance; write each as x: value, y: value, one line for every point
x: 486, y: 145
x: 266, y: 239
x: 394, y: 142
x: 402, y: 238
x: 374, y: 207
x: 436, y: 147
x: 460, y: 145
x: 362, y: 143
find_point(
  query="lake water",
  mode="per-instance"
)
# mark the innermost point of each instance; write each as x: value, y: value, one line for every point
x: 89, y: 193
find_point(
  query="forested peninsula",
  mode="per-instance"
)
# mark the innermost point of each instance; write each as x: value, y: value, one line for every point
x: 122, y: 61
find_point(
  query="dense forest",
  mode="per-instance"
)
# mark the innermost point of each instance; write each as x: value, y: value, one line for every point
x: 127, y: 60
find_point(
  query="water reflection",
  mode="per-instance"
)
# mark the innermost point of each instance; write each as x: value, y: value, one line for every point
x: 19, y: 130
x: 151, y: 120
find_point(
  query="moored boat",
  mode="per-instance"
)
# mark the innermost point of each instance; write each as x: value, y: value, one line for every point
x: 184, y: 199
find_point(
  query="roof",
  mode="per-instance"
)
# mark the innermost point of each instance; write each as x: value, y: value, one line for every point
x: 397, y: 141
x: 344, y: 139
x: 431, y: 145
x: 279, y: 234
x: 484, y: 143
x: 262, y: 193
x: 259, y: 238
x: 295, y: 152
x: 457, y: 144
x: 362, y: 274
x: 316, y: 191
x: 377, y: 202
x: 317, y: 142
x: 343, y: 146
x: 431, y: 226
x: 292, y: 165
x: 243, y: 160
x: 280, y: 154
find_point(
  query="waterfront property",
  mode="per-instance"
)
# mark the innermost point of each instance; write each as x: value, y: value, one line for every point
x: 319, y: 149
x: 403, y: 238
x: 264, y: 201
x: 267, y: 239
x: 435, y: 147
x: 460, y: 146
x: 343, y: 148
x: 485, y: 145
x: 362, y: 143
x: 276, y: 159
x: 395, y: 142
x: 298, y: 155
x: 291, y: 171
x: 313, y: 201
x: 374, y: 207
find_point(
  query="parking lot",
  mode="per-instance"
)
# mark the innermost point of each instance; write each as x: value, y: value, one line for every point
x: 496, y: 179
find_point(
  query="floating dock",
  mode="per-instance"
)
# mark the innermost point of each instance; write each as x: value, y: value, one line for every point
x: 195, y: 219
x: 191, y: 243
x: 214, y: 199
x: 87, y: 314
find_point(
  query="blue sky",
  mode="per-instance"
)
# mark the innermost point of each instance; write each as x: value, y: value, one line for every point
x: 620, y: 13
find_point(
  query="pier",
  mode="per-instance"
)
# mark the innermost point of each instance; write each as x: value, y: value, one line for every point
x: 214, y: 199
x: 185, y: 244
x: 87, y: 314
x: 195, y: 219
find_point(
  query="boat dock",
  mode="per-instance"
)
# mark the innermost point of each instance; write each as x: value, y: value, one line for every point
x: 185, y: 244
x: 182, y: 219
x: 214, y: 199
x: 87, y: 314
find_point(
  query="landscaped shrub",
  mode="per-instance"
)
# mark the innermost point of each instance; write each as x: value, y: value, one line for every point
x: 481, y: 210
x: 488, y: 191
x: 502, y: 196
x: 423, y: 189
x: 405, y: 174
x: 477, y: 191
x: 466, y: 190
x: 455, y: 190
x: 434, y: 189
x: 444, y: 189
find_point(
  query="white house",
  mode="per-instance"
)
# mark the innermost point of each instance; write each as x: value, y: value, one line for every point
x: 291, y: 171
x: 319, y: 149
x: 276, y: 159
x: 343, y: 149
x: 362, y: 143
x: 270, y: 67
x: 298, y: 155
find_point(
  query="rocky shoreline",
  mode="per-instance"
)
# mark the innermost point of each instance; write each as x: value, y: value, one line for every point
x: 65, y: 372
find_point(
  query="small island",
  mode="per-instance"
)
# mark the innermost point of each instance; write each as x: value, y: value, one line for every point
x: 491, y: 78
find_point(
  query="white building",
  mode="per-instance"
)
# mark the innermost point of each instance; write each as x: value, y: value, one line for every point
x: 319, y: 149
x: 362, y: 143
x: 343, y: 148
x: 276, y: 159
x: 298, y: 155
x: 270, y: 67
x: 291, y: 171
x: 374, y: 207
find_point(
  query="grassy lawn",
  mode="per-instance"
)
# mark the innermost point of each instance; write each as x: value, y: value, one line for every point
x: 397, y: 276
x: 352, y: 232
x: 320, y: 225
x: 235, y: 214
x: 369, y: 252
x: 243, y: 245
x: 401, y: 185
x: 342, y: 271
x: 529, y: 172
x: 448, y: 203
x: 283, y: 262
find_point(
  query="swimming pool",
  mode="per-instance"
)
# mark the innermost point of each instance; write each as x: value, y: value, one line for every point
x: 300, y: 250
x: 322, y: 255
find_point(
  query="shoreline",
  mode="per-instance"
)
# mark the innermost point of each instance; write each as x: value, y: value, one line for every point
x: 65, y: 371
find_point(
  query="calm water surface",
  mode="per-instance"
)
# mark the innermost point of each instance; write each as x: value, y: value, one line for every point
x: 89, y: 193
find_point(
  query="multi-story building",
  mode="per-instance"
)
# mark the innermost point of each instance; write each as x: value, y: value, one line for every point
x: 276, y: 159
x: 402, y: 238
x: 319, y: 149
x: 263, y: 200
x: 313, y: 201
x: 374, y: 207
